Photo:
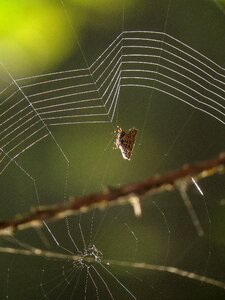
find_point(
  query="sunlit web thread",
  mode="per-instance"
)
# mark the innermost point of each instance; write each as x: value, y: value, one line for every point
x: 93, y: 81
x: 87, y: 264
x: 20, y: 138
x: 71, y: 97
x: 25, y: 99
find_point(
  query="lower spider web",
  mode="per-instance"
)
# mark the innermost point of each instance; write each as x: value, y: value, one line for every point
x: 92, y: 275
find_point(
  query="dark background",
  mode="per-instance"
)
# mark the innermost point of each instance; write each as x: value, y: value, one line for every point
x: 38, y: 38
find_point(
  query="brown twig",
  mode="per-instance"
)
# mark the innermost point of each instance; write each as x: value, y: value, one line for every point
x: 129, y: 193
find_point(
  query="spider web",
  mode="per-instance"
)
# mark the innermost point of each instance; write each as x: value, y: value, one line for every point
x: 132, y: 60
x: 177, y: 94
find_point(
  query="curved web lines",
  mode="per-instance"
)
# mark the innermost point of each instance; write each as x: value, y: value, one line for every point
x: 21, y: 127
x: 79, y: 96
x: 147, y: 59
x: 80, y: 262
x: 70, y: 97
x: 175, y: 69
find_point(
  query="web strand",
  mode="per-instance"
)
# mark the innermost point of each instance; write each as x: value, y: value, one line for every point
x: 132, y: 60
x: 31, y: 107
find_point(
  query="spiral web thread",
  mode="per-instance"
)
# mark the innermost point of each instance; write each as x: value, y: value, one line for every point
x: 90, y: 95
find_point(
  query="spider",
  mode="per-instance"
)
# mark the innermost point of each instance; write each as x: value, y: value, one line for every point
x: 125, y: 141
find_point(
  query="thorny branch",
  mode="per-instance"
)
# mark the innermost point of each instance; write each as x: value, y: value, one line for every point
x: 129, y: 193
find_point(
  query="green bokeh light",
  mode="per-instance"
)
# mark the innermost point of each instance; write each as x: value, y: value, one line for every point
x: 34, y: 35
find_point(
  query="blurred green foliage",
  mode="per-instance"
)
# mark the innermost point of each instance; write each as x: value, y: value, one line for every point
x: 36, y: 36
